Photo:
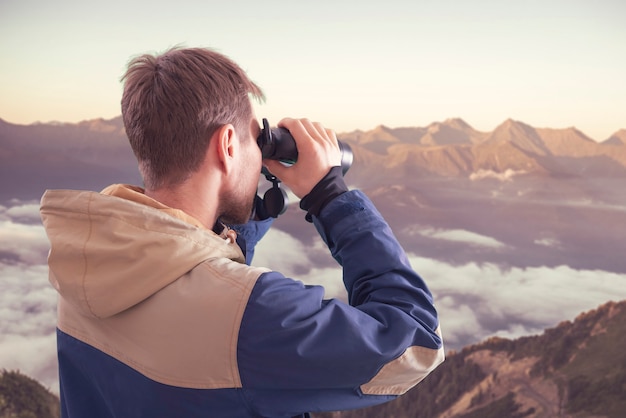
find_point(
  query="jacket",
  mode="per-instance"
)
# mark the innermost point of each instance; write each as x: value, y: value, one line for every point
x: 160, y: 317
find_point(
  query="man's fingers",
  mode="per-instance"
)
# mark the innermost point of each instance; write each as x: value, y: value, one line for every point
x: 275, y: 167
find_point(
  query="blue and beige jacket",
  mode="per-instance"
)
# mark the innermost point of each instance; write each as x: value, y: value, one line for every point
x: 160, y: 317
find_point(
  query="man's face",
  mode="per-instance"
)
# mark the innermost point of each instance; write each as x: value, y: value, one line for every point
x: 237, y: 202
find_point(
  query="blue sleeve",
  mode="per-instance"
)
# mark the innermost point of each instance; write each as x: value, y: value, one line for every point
x: 300, y: 351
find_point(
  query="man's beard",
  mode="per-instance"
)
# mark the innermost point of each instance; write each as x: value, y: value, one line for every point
x: 235, y: 208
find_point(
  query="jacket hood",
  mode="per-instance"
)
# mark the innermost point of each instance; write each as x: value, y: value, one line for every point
x: 109, y: 253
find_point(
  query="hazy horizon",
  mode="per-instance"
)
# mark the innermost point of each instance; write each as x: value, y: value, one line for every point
x: 616, y: 130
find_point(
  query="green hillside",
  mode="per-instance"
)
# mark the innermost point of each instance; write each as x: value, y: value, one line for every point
x: 23, y: 397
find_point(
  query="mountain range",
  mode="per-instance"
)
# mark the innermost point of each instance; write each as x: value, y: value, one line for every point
x: 454, y: 149
x: 87, y: 155
x: 77, y: 155
x: 544, y: 197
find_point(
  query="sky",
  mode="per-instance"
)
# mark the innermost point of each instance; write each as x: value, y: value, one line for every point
x: 348, y: 64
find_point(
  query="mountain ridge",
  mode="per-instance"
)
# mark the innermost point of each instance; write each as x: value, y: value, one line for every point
x: 453, y: 122
x: 577, y: 368
x: 571, y: 196
x: 618, y: 138
x: 453, y: 148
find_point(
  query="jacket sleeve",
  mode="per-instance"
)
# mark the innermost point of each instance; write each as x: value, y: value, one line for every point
x: 298, y: 352
x: 249, y: 235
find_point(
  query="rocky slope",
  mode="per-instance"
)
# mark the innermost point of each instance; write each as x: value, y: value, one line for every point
x: 577, y: 369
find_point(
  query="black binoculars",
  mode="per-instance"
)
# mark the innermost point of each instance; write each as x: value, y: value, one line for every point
x: 278, y: 144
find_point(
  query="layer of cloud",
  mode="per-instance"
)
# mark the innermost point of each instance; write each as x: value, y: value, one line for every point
x: 22, y: 238
x: 27, y: 322
x: 490, y: 174
x: 21, y: 211
x: 475, y: 301
x: 456, y: 235
x: 27, y: 300
x: 548, y: 242
x: 23, y: 242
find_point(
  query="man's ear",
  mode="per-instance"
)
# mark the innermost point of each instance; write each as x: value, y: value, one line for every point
x: 224, y: 144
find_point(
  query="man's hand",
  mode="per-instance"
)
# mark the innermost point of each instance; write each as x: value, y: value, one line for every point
x: 318, y: 152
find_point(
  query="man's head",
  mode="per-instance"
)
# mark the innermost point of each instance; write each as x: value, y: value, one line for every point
x: 173, y: 103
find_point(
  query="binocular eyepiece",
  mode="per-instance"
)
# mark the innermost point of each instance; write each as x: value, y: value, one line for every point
x: 278, y: 144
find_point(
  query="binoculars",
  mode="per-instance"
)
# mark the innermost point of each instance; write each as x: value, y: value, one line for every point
x: 278, y: 144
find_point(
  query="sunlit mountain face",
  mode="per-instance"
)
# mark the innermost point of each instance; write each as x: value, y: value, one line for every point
x: 515, y: 197
x: 514, y: 230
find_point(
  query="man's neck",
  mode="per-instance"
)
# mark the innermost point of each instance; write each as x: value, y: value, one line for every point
x: 197, y: 202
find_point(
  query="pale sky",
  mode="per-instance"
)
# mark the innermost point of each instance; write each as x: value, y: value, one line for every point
x: 348, y: 64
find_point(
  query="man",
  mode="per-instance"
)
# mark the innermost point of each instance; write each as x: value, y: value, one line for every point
x: 159, y: 315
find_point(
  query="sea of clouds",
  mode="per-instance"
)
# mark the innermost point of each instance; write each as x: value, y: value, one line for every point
x: 475, y: 300
x: 27, y: 301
